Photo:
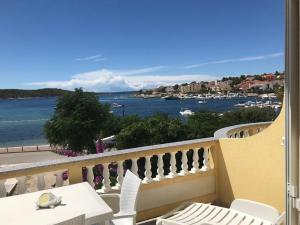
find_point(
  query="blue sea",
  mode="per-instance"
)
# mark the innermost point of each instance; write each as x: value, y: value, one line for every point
x: 22, y: 120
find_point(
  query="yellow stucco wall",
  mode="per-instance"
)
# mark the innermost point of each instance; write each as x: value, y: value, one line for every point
x: 253, y: 167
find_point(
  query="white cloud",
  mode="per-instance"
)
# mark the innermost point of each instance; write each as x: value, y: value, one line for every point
x: 105, y: 80
x: 243, y: 59
x: 93, y: 58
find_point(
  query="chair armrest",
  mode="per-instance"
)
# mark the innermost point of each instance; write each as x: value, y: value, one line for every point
x: 122, y: 215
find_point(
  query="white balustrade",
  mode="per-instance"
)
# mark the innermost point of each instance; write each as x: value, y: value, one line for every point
x: 160, y: 168
x: 206, y: 164
x: 59, y: 182
x: 106, y: 178
x: 246, y: 133
x: 147, y: 179
x: 134, y: 167
x: 195, y: 168
x: 90, y: 175
x: 41, y: 182
x: 184, y: 166
x: 120, y: 173
x: 21, y: 186
x: 173, y: 168
x: 2, y: 189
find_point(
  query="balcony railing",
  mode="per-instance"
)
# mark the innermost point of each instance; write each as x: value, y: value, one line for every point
x: 194, y: 170
x: 241, y: 130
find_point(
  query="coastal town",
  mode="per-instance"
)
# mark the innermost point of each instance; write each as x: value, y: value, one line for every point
x: 264, y: 85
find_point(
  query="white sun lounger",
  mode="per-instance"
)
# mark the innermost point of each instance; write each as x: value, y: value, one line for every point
x: 241, y: 212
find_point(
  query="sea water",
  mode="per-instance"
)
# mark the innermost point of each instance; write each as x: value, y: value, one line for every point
x: 22, y: 120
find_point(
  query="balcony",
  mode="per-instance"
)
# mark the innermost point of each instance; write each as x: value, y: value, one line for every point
x: 217, y: 169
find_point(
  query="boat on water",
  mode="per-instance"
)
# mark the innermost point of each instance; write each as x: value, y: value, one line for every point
x: 171, y: 97
x: 202, y: 101
x: 186, y: 112
x: 115, y: 105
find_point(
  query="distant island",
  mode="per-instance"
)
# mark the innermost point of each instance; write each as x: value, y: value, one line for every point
x: 40, y: 93
x: 45, y: 93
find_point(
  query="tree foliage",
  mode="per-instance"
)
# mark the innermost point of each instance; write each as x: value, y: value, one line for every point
x: 161, y: 128
x: 156, y: 129
x: 77, y: 120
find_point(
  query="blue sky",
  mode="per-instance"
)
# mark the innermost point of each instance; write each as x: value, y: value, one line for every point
x: 110, y: 45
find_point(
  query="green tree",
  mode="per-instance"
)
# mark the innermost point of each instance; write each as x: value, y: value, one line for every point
x: 203, y: 124
x: 156, y: 129
x: 135, y: 135
x: 248, y: 115
x: 77, y: 120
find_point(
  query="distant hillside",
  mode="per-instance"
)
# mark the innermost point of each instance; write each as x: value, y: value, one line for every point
x: 17, y: 93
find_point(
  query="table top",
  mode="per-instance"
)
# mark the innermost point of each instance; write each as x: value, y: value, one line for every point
x: 77, y: 199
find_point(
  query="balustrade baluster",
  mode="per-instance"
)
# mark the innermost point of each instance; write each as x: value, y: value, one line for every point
x: 106, y: 178
x: 173, y: 168
x: 206, y: 164
x: 21, y: 187
x: 184, y: 166
x: 134, y: 167
x: 2, y: 189
x: 246, y: 133
x: 147, y: 179
x: 90, y: 175
x: 195, y: 168
x: 160, y: 168
x: 120, y: 172
x: 41, y: 182
x: 59, y: 182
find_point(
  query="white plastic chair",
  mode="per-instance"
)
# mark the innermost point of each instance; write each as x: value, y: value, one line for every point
x: 78, y: 220
x: 241, y: 211
x: 127, y: 200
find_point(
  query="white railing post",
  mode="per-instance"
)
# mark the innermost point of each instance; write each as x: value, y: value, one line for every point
x: 206, y: 164
x: 59, y: 182
x: 120, y: 172
x: 173, y: 168
x: 90, y: 175
x: 184, y: 168
x: 134, y: 167
x: 160, y: 168
x: 106, y: 179
x: 21, y: 187
x: 195, y: 168
x: 246, y: 133
x: 2, y: 189
x: 41, y: 182
x: 147, y: 179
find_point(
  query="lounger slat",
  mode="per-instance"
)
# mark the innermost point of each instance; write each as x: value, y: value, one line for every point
x: 184, y: 215
x: 247, y: 221
x: 237, y: 220
x: 191, y: 217
x: 230, y: 216
x: 213, y: 215
x: 220, y: 216
x: 204, y: 215
x: 257, y: 222
x: 186, y: 210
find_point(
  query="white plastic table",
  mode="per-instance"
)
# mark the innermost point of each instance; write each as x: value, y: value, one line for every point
x: 77, y: 199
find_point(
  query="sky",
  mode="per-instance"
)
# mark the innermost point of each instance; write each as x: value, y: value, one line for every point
x: 122, y: 45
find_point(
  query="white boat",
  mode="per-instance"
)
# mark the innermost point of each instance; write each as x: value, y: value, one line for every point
x: 115, y: 105
x: 186, y: 112
x: 202, y: 102
x: 240, y: 105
